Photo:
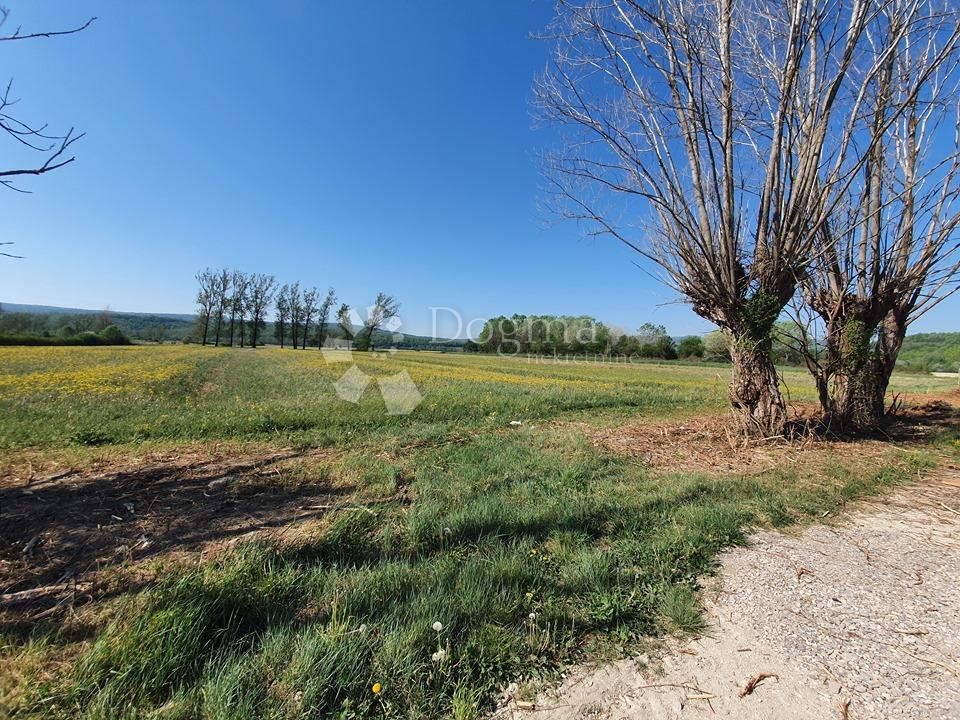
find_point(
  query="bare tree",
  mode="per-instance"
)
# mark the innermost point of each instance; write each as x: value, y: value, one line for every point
x: 344, y: 321
x: 54, y: 148
x: 283, y: 313
x: 384, y: 309
x: 323, y: 316
x: 221, y: 300
x: 889, y: 251
x: 295, y: 307
x: 728, y: 127
x: 104, y: 319
x: 206, y: 295
x: 238, y: 299
x: 309, y: 308
x: 261, y: 295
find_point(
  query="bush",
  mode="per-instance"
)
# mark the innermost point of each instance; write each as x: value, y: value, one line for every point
x: 690, y: 347
x: 716, y: 347
x: 111, y: 335
x: 88, y: 337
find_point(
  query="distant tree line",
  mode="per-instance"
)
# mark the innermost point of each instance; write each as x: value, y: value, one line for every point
x: 22, y: 328
x: 233, y: 307
x: 584, y: 335
x: 573, y: 335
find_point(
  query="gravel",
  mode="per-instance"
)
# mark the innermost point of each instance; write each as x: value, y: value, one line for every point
x: 873, y: 604
x: 865, y: 610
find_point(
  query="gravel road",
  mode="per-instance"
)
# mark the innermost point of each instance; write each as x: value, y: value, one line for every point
x: 858, y: 620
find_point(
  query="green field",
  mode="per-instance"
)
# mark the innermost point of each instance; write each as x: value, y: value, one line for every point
x: 530, y: 546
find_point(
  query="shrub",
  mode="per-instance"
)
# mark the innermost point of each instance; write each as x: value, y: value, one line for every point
x: 112, y: 335
x: 690, y: 347
x: 716, y: 347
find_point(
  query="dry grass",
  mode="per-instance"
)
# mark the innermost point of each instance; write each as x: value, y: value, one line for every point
x: 707, y: 444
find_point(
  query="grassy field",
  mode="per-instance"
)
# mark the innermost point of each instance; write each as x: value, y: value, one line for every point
x: 459, y: 554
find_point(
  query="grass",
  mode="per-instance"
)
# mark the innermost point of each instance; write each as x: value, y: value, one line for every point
x: 54, y: 396
x: 528, y: 546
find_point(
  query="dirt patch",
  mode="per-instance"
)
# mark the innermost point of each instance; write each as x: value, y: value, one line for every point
x: 709, y: 444
x: 61, y: 532
x: 858, y: 621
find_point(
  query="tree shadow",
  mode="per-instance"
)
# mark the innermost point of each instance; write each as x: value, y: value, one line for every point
x: 66, y: 530
x: 910, y: 424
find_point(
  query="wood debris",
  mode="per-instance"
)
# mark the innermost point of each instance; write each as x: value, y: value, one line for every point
x: 845, y: 709
x: 756, y: 680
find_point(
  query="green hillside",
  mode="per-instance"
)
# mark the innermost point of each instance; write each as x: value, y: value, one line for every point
x: 931, y: 352
x: 46, y: 321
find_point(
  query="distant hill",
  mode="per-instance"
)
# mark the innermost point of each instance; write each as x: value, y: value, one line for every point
x: 54, y: 310
x: 931, y: 352
x: 48, y: 320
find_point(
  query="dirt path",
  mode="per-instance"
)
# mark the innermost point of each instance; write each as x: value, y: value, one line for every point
x: 867, y: 612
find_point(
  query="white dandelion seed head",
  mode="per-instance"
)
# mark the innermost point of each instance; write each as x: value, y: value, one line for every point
x: 438, y: 626
x: 439, y: 655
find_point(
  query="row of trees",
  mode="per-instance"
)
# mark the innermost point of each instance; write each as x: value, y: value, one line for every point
x: 796, y: 157
x: 576, y: 335
x: 296, y: 312
x: 582, y: 334
x: 566, y: 334
x: 233, y: 307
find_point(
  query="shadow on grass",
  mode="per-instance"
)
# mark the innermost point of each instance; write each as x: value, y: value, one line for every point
x: 64, y: 530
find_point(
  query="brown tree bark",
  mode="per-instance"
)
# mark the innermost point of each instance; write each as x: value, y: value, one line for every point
x: 867, y: 352
x: 755, y: 389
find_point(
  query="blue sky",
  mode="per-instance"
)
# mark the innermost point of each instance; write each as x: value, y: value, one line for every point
x: 369, y: 146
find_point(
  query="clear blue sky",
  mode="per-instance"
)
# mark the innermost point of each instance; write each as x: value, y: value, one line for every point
x: 364, y: 145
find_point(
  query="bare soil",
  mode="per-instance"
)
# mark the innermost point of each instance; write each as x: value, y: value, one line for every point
x: 709, y: 444
x: 62, y: 533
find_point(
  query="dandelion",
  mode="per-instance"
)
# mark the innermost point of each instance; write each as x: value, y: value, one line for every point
x: 363, y: 628
x: 529, y: 596
x: 439, y: 656
x: 532, y: 616
x: 438, y: 626
x: 377, y: 687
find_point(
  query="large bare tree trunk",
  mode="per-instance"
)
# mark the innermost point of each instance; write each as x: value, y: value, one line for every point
x: 893, y: 329
x: 860, y: 383
x: 888, y: 253
x: 755, y: 389
x: 851, y: 405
